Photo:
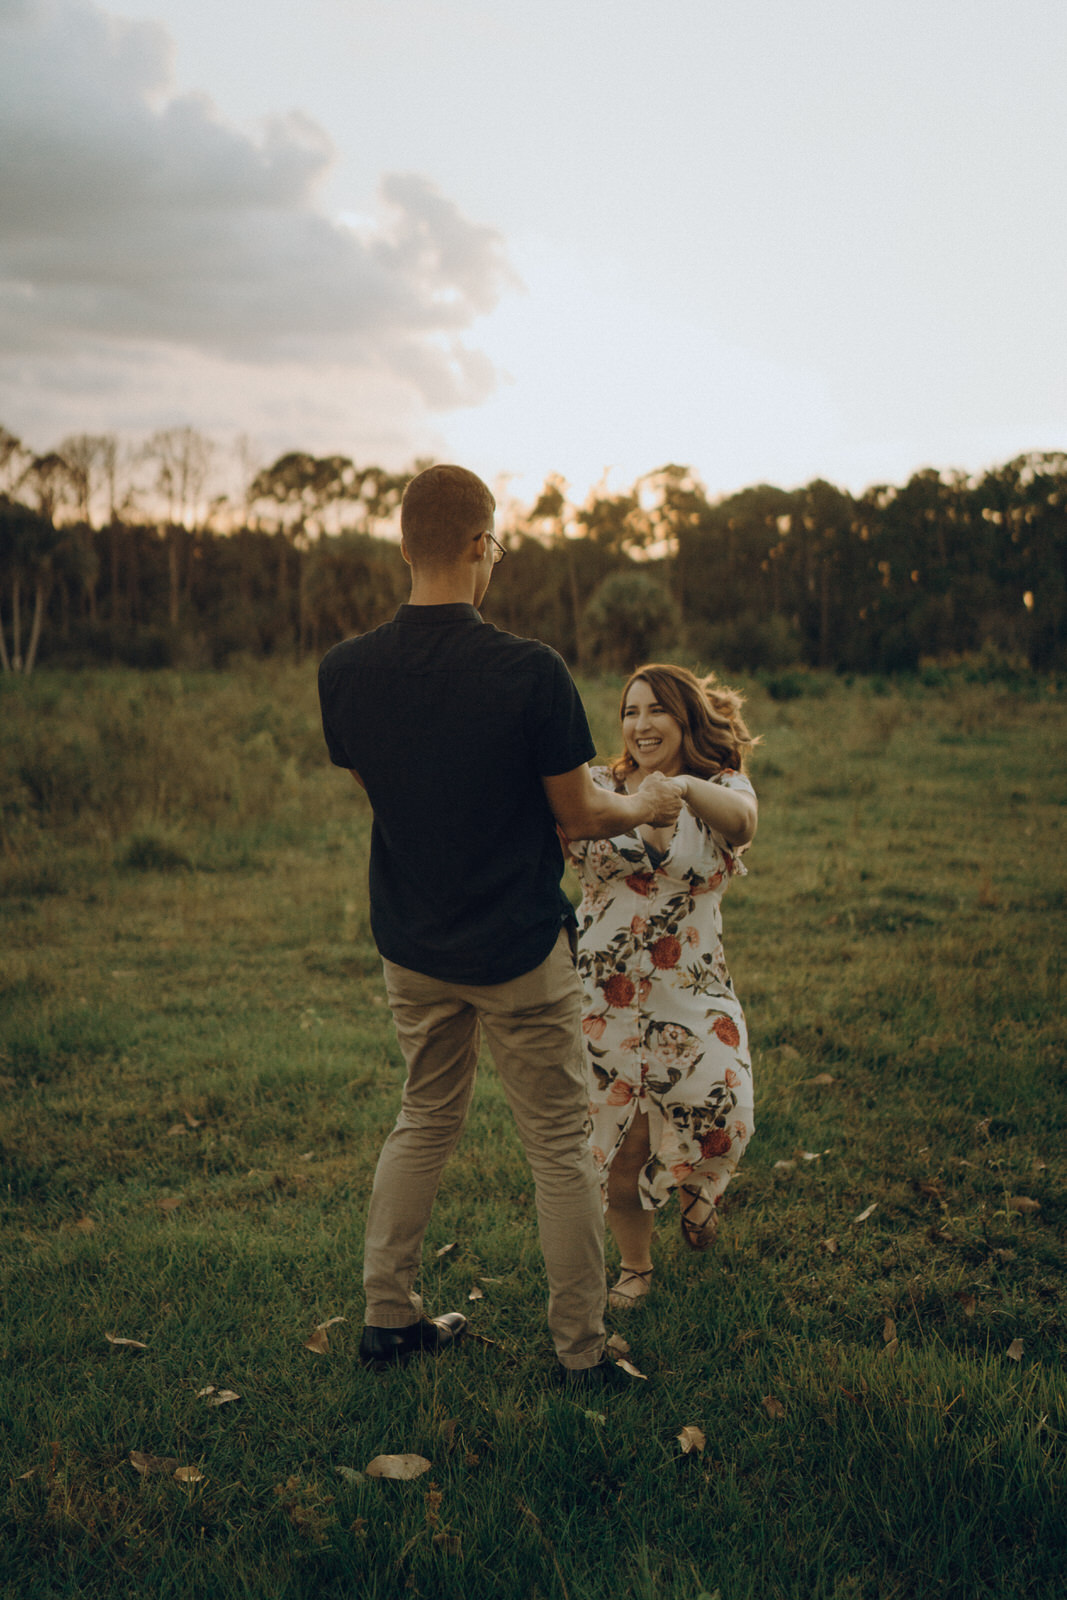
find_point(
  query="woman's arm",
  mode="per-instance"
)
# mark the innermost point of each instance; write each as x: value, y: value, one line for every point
x: 586, y: 811
x: 730, y: 812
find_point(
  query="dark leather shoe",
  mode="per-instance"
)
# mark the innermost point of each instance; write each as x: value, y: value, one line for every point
x: 605, y: 1375
x: 424, y: 1338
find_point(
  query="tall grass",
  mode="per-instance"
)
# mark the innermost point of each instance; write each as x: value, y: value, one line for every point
x: 197, y: 1070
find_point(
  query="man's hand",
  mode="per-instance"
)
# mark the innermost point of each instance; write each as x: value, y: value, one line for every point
x: 664, y: 797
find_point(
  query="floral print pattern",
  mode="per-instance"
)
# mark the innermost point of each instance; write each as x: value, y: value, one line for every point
x: 664, y: 1031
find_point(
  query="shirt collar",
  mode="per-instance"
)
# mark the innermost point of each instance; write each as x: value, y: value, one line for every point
x: 438, y: 616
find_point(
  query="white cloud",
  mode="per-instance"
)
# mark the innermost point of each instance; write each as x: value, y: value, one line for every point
x: 140, y: 232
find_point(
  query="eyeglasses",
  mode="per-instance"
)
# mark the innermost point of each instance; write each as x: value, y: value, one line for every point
x: 498, y: 549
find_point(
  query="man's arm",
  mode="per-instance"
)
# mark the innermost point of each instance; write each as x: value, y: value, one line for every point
x: 586, y: 811
x: 358, y: 779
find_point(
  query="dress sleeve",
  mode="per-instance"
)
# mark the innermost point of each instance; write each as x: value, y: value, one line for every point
x: 723, y: 856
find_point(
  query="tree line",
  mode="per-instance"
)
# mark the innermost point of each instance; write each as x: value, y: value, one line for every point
x: 114, y: 555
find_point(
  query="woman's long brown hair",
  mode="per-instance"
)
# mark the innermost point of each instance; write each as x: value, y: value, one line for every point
x: 714, y: 735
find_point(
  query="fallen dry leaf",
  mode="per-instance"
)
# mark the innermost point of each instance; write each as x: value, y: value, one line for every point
x: 445, y: 1248
x: 890, y: 1348
x: 193, y: 1122
x: 889, y: 1330
x: 397, y: 1467
x: 480, y: 1338
x: 144, y: 1464
x: 210, y: 1389
x: 171, y: 1203
x: 178, y: 1131
x: 830, y: 1246
x: 189, y: 1475
x: 1022, y: 1202
x: 84, y: 1225
x: 788, y: 1052
x: 1015, y: 1350
x: 449, y: 1543
x: 126, y: 1344
x: 352, y: 1475
x: 476, y: 1293
x: 773, y: 1407
x: 692, y: 1440
x: 868, y: 1211
x: 617, y: 1345
x: 968, y: 1303
x: 823, y: 1079
x: 628, y: 1366
x: 784, y: 1166
x: 812, y: 1155
x: 318, y: 1342
x: 217, y: 1397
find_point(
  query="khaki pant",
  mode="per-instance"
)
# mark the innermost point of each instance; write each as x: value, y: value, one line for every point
x: 532, y: 1024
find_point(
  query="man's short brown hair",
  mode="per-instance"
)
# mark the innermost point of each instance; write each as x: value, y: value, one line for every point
x: 443, y: 509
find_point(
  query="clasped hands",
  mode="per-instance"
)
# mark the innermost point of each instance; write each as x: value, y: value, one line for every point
x: 664, y: 795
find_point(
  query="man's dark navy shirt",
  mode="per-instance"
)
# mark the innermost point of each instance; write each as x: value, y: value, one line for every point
x: 451, y: 724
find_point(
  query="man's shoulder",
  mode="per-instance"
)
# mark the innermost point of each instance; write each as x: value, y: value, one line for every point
x: 350, y: 652
x: 519, y: 648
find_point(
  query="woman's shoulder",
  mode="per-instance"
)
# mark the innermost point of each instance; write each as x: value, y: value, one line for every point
x: 734, y: 780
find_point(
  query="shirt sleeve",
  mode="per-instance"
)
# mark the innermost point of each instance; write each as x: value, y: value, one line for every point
x: 557, y: 724
x: 338, y: 754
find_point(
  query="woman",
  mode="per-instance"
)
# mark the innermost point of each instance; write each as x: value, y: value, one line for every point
x: 671, y: 1077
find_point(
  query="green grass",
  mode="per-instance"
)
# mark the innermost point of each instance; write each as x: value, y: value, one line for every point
x: 191, y: 1010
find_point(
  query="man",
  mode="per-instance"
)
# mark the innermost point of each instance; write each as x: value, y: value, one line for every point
x: 472, y: 745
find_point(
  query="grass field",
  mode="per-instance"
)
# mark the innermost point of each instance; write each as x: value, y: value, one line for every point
x: 197, y: 1070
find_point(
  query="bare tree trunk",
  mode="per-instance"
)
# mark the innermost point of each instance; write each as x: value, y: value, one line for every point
x: 16, y: 627
x: 5, y: 661
x: 116, y: 601
x: 576, y: 607
x: 173, y: 576
x: 35, y: 631
x: 92, y: 572
x: 133, y: 578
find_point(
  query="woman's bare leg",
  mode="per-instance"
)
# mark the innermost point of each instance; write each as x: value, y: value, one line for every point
x: 628, y: 1220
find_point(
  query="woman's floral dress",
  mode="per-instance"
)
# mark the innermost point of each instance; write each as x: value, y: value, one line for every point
x: 664, y: 1031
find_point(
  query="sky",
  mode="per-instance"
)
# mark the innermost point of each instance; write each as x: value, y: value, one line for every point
x: 770, y: 240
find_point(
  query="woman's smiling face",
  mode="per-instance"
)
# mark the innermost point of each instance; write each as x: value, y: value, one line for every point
x: 652, y: 736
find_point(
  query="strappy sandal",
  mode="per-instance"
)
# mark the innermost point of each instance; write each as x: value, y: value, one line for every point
x: 621, y: 1297
x: 699, y: 1219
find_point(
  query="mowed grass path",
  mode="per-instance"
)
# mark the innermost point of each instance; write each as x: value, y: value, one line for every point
x: 198, y: 1068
